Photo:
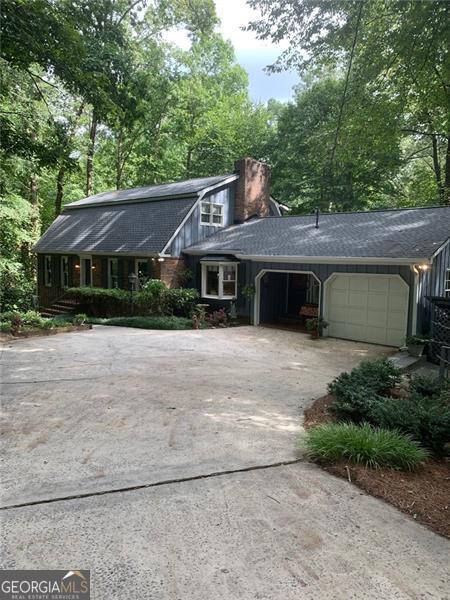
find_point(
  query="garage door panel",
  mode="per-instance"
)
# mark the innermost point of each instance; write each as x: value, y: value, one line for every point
x: 370, y: 308
x: 377, y: 301
x: 340, y: 283
x: 339, y: 297
x: 378, y: 284
x: 358, y: 284
x: 397, y: 302
x: 338, y: 313
x: 357, y: 299
x: 356, y: 316
x: 377, y: 318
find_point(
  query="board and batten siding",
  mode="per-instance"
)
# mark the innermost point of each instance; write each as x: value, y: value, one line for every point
x: 193, y: 231
x: 323, y: 271
x: 431, y: 283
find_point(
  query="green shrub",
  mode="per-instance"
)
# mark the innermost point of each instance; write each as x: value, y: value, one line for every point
x: 5, y: 327
x: 30, y: 318
x: 377, y: 375
x: 79, y: 319
x: 427, y: 385
x: 101, y: 302
x: 356, y: 391
x: 152, y: 322
x: 180, y: 301
x: 364, y: 444
x: 16, y: 289
x: 425, y: 418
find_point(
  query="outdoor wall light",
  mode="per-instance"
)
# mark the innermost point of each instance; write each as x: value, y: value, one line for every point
x: 160, y: 259
x: 77, y: 266
x: 424, y: 267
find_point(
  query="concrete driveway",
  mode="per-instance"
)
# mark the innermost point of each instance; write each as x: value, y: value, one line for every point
x: 160, y: 460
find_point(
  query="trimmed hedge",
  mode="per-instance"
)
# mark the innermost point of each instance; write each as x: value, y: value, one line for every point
x: 155, y: 322
x: 154, y: 299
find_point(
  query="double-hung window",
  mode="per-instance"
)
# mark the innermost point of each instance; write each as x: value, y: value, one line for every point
x: 113, y: 273
x: 48, y: 270
x: 64, y: 272
x: 219, y: 280
x: 447, y: 284
x: 211, y: 214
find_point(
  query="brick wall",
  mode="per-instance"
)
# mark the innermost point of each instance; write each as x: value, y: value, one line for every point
x: 252, y: 190
x: 171, y: 271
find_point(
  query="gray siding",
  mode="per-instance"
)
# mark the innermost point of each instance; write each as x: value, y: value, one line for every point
x: 323, y: 271
x: 193, y: 231
x: 431, y: 283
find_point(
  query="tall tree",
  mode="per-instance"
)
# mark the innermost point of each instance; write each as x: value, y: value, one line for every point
x: 396, y: 48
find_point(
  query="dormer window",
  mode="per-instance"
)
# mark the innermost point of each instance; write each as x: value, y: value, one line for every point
x: 211, y: 214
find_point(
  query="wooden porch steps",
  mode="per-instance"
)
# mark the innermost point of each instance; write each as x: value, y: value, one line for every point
x: 63, y: 306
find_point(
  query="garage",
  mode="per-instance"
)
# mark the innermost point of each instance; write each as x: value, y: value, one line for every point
x: 287, y: 298
x: 367, y: 308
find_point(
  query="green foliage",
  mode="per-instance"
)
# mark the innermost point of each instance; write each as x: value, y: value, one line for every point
x: 364, y: 395
x: 399, y: 56
x: 180, y: 301
x: 355, y: 392
x: 316, y: 325
x: 15, y: 321
x: 363, y: 444
x: 428, y: 385
x: 101, y: 302
x: 79, y: 319
x: 425, y: 418
x: 153, y: 322
x: 155, y: 298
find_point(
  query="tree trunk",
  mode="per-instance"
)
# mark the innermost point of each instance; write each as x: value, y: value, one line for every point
x: 27, y: 258
x: 90, y: 155
x: 119, y: 160
x: 437, y: 168
x: 446, y: 196
x: 62, y: 164
x: 59, y: 188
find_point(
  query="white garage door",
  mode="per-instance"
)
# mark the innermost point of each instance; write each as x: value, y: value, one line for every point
x: 368, y: 308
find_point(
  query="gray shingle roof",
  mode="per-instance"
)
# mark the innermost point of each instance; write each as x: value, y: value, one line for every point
x: 390, y: 234
x: 190, y: 187
x: 141, y: 228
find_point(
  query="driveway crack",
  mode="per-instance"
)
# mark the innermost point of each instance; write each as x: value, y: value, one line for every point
x: 143, y: 486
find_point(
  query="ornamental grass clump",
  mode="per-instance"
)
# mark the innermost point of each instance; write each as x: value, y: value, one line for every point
x: 364, y: 444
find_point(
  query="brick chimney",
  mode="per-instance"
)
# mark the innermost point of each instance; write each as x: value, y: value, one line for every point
x: 252, y: 189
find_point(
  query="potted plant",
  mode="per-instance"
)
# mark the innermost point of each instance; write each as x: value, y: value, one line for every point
x: 316, y: 326
x: 416, y: 344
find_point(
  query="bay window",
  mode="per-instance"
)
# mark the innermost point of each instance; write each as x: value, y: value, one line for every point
x: 219, y: 280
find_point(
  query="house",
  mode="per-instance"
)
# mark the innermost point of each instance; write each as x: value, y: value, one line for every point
x: 368, y: 273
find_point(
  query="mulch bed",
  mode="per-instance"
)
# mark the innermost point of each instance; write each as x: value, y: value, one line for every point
x: 424, y: 495
x: 43, y: 332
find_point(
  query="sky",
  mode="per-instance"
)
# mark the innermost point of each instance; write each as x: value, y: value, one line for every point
x: 251, y: 53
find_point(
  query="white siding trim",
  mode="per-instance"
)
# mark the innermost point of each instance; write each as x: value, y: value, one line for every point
x: 191, y: 210
x: 260, y: 275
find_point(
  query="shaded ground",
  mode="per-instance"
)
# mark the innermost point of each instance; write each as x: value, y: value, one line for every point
x: 96, y: 413
x: 425, y: 494
x: 117, y: 407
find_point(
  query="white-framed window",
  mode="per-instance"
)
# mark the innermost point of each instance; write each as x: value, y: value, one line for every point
x: 211, y: 214
x: 113, y: 273
x: 85, y: 271
x: 447, y: 284
x: 64, y: 272
x: 219, y: 280
x: 48, y: 270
